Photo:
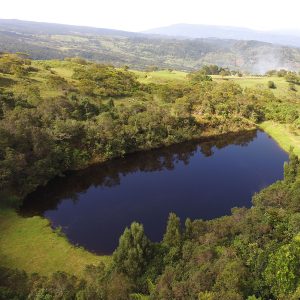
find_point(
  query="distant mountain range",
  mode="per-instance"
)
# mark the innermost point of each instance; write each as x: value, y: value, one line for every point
x: 156, y: 47
x: 283, y: 37
x: 43, y: 28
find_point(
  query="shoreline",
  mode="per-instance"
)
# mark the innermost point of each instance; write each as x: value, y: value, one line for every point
x: 282, y: 135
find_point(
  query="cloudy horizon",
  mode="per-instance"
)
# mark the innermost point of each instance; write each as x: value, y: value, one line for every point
x: 134, y: 15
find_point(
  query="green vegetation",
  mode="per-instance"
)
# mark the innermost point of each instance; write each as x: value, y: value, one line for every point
x: 283, y: 87
x: 62, y: 115
x: 133, y: 252
x: 271, y: 85
x: 50, y: 124
x: 286, y: 136
x: 31, y: 245
x: 160, y: 77
x: 261, y: 82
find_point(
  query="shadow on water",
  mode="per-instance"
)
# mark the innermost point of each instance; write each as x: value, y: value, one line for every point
x: 109, y: 174
x: 196, y: 179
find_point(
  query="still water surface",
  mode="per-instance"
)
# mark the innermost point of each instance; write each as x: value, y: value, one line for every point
x: 194, y: 179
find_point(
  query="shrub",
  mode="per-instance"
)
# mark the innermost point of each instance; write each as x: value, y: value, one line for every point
x: 271, y: 85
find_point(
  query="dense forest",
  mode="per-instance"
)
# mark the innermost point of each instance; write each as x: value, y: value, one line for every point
x: 64, y: 115
x: 55, y: 41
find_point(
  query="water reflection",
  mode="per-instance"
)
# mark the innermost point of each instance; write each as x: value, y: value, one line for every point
x: 109, y: 174
x: 193, y: 179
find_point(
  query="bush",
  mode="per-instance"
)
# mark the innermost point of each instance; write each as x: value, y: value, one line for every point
x: 271, y: 85
x: 292, y: 87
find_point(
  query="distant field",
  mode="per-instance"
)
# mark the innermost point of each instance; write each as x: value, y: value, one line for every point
x: 261, y: 82
x: 30, y: 244
x: 65, y: 69
x: 160, y: 76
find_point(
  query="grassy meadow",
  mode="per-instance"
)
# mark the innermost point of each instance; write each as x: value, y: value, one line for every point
x: 163, y: 76
x: 260, y: 82
x: 30, y: 244
x: 285, y: 136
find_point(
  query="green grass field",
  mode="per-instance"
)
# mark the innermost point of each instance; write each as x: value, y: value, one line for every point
x: 261, y: 82
x: 30, y: 244
x: 283, y: 135
x: 160, y: 76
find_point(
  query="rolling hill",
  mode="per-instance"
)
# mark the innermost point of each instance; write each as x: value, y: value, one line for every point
x: 139, y: 50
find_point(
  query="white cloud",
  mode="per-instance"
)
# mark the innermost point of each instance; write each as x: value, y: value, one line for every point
x: 137, y: 15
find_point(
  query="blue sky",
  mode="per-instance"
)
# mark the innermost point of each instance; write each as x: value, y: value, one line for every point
x: 138, y: 15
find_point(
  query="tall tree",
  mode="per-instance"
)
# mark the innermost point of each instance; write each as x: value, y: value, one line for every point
x: 172, y: 237
x: 134, y: 251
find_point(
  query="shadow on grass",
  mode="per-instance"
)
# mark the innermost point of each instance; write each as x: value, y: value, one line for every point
x: 6, y: 82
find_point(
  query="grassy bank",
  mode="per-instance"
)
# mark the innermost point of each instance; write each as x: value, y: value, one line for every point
x: 30, y: 244
x: 283, y: 135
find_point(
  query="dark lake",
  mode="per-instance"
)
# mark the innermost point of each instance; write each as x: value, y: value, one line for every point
x: 194, y: 179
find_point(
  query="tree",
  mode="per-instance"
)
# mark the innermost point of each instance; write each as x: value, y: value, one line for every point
x: 291, y: 168
x: 102, y: 283
x: 282, y: 271
x: 271, y: 73
x: 172, y: 237
x: 134, y: 251
x: 281, y: 73
x: 223, y: 73
x: 199, y: 76
x: 230, y: 279
x: 210, y: 70
x: 292, y: 78
x: 172, y: 240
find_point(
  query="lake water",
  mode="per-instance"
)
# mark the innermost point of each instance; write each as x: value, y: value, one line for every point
x: 194, y: 179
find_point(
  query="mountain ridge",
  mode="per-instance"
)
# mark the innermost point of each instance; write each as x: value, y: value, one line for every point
x: 140, y: 50
x: 289, y: 37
